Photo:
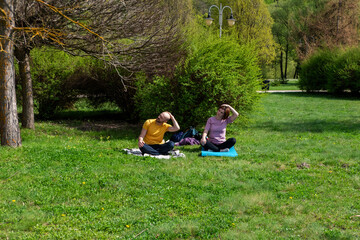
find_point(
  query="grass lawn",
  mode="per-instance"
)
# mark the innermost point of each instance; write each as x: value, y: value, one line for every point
x: 290, y: 85
x: 296, y: 177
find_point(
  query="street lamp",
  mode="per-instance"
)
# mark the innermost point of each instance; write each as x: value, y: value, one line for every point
x: 231, y: 20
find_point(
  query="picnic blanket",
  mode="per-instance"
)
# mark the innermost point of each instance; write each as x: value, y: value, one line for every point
x: 188, y: 141
x: 231, y: 153
x: 137, y: 152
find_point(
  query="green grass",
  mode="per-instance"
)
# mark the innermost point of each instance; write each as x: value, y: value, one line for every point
x: 290, y: 85
x: 296, y: 177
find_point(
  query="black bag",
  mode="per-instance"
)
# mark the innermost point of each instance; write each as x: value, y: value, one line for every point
x: 176, y: 137
x: 191, y: 132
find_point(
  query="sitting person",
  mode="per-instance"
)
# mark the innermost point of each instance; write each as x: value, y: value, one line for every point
x: 151, y: 139
x: 215, y: 130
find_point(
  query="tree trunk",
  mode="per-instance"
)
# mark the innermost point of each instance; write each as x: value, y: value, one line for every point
x: 281, y: 65
x: 9, y: 125
x: 297, y: 68
x: 27, y: 120
x: 286, y: 61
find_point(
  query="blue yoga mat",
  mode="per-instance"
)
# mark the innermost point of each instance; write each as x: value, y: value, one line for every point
x: 231, y: 153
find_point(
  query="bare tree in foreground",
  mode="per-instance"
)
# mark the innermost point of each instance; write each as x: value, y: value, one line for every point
x: 9, y: 126
x: 131, y: 35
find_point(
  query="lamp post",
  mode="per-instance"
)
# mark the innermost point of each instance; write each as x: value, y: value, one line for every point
x: 231, y: 20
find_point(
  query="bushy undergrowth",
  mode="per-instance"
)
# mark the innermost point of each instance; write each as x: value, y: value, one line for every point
x: 59, y: 79
x: 102, y: 83
x: 50, y: 70
x: 332, y: 70
x: 219, y: 71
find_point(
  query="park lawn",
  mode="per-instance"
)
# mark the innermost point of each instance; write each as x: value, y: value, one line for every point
x: 292, y: 84
x: 296, y: 177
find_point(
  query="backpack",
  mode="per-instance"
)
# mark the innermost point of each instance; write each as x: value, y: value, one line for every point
x: 176, y: 137
x: 191, y: 132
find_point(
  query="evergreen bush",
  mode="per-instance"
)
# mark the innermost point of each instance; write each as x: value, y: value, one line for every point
x: 346, y: 76
x: 315, y: 70
x: 218, y: 71
x: 333, y: 70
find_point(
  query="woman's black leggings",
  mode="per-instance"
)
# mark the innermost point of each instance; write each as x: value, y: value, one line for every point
x: 217, y: 147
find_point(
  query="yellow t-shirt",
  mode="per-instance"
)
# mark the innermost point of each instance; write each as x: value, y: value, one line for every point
x: 155, y: 133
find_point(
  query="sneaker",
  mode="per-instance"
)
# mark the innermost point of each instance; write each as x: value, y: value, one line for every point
x: 224, y: 150
x: 174, y: 152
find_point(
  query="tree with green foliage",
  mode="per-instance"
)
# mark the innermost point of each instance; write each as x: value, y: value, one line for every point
x: 218, y: 71
x: 321, y: 24
x: 303, y: 26
x: 281, y: 30
x: 253, y: 24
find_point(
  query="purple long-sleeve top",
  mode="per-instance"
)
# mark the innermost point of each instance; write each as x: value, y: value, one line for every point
x: 217, y: 129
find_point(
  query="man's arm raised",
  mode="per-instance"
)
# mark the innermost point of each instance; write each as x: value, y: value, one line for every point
x: 175, y: 126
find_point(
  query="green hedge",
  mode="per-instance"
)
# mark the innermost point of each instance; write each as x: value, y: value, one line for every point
x: 333, y: 70
x: 218, y: 71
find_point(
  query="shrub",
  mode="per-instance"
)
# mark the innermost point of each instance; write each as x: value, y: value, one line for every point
x: 333, y: 70
x: 59, y: 78
x: 50, y: 70
x: 102, y: 83
x: 314, y: 71
x: 346, y: 75
x: 219, y: 71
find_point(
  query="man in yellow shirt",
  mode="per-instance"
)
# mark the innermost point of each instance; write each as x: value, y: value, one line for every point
x: 151, y: 139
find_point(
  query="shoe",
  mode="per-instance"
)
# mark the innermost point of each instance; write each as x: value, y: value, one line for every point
x: 174, y: 152
x: 224, y: 150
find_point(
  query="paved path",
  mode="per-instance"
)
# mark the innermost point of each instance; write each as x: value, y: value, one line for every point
x: 287, y: 91
x: 280, y: 91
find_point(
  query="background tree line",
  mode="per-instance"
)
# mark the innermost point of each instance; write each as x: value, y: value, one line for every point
x: 301, y: 28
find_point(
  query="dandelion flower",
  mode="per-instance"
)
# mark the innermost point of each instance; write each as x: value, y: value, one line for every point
x: 63, y: 215
x: 13, y: 200
x: 291, y: 197
x: 102, y: 209
x: 233, y: 224
x: 127, y: 226
x: 83, y: 182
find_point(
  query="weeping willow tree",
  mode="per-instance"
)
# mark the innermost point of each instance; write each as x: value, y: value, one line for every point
x: 253, y: 25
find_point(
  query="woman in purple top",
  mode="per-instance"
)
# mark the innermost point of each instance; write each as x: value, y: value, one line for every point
x: 214, y: 136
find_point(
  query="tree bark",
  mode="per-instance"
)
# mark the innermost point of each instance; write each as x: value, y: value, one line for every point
x: 281, y: 65
x: 27, y: 120
x: 286, y: 61
x: 9, y: 125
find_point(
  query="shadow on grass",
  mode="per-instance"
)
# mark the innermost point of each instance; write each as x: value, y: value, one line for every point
x: 189, y: 148
x: 317, y: 126
x: 89, y: 115
x: 99, y: 124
